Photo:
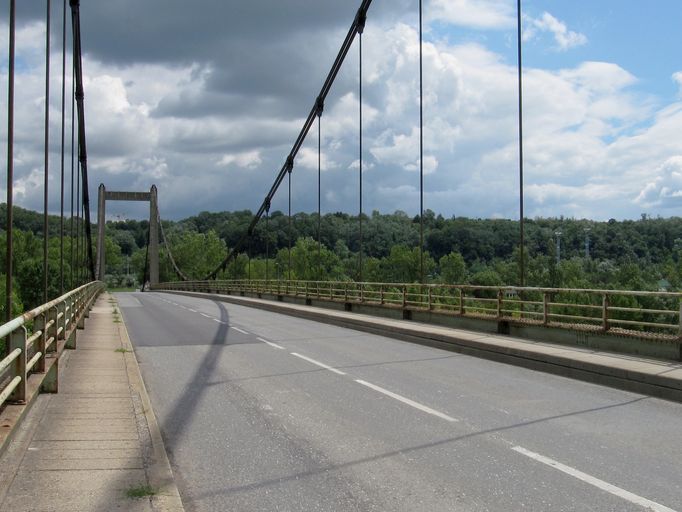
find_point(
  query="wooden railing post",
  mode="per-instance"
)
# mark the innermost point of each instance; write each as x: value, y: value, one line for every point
x: 500, y: 295
x: 462, y: 311
x: 430, y: 298
x: 605, y: 313
x: 404, y: 296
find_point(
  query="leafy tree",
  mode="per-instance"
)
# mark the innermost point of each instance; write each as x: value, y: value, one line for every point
x: 452, y: 268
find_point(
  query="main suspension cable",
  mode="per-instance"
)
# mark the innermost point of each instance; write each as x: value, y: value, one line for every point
x: 359, y: 20
x: 177, y: 270
x: 82, y: 147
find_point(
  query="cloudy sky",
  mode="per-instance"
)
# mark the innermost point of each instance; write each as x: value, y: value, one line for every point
x: 205, y: 98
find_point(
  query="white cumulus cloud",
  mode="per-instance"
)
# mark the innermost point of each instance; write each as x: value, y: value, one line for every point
x: 563, y: 37
x: 666, y: 188
x: 483, y: 14
x: 677, y: 78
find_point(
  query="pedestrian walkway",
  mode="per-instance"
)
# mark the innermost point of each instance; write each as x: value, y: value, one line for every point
x: 94, y: 446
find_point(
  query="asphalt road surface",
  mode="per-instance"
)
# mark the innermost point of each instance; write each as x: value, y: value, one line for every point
x: 261, y: 411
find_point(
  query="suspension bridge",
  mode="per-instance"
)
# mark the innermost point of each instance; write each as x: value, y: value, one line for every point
x: 227, y: 393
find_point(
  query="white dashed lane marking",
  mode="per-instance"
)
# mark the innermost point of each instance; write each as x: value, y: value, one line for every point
x: 321, y: 365
x: 274, y: 345
x: 601, y: 484
x: 407, y: 401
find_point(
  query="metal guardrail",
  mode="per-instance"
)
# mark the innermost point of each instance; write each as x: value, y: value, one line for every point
x: 49, y: 324
x: 645, y: 314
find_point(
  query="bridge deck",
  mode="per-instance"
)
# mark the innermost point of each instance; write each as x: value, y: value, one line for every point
x: 96, y: 441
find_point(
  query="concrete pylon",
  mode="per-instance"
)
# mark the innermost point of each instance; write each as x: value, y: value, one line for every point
x: 152, y: 197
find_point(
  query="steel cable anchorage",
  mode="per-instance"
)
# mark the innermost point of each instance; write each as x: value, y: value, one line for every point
x: 356, y: 27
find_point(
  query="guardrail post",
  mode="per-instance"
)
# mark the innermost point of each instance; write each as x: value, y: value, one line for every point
x: 381, y: 293
x: 605, y: 312
x: 52, y: 330
x: 404, y: 296
x: 430, y: 298
x: 545, y: 308
x: 362, y: 292
x: 71, y: 325
x: 61, y: 322
x: 18, y: 340
x: 39, y: 325
x: 345, y: 292
x: 462, y: 311
x: 500, y: 294
x: 679, y: 332
x: 82, y: 306
x: 86, y: 303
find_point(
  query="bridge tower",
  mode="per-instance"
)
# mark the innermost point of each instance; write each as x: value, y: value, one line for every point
x: 151, y: 196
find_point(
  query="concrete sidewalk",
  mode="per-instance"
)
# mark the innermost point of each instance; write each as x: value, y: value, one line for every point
x: 96, y: 445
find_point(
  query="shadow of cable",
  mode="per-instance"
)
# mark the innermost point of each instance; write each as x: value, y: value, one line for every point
x: 176, y: 422
x: 403, y: 451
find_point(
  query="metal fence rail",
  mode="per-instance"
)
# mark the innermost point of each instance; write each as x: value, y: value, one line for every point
x: 37, y: 333
x: 634, y: 313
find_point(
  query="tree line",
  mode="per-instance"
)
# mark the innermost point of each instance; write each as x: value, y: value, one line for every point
x: 643, y: 254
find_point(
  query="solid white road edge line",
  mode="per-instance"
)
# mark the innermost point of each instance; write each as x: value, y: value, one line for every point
x: 604, y: 486
x: 407, y: 401
x: 239, y: 330
x: 321, y: 365
x: 204, y: 314
x: 275, y: 345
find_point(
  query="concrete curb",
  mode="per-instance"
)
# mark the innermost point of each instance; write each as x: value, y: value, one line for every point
x: 650, y: 377
x: 159, y: 472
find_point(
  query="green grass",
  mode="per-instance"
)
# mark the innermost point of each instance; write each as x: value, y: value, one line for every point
x: 122, y: 350
x: 141, y: 491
